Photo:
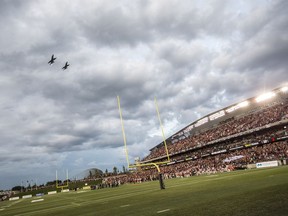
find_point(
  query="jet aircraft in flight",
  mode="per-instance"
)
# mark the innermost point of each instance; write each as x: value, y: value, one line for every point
x: 65, y: 66
x: 52, y: 60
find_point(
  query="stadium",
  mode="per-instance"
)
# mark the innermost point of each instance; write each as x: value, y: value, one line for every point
x: 236, y: 137
x: 233, y: 160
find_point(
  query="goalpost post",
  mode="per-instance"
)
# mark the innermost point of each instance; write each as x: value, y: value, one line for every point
x: 62, y: 186
x: 161, y: 181
x: 164, y: 139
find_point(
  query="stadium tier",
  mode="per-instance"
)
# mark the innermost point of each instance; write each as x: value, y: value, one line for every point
x: 234, y: 121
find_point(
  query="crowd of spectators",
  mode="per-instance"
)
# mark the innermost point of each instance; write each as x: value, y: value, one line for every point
x: 211, y: 164
x: 6, y: 194
x: 224, y: 129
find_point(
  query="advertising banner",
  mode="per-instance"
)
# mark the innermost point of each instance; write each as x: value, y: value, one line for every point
x: 267, y: 164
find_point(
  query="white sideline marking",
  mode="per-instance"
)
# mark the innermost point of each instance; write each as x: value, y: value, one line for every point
x: 38, y: 200
x: 1, y: 209
x: 82, y: 191
x: 165, y: 210
x: 211, y: 176
x: 125, y: 206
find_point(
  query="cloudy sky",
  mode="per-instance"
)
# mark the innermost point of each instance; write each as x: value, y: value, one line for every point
x: 194, y: 56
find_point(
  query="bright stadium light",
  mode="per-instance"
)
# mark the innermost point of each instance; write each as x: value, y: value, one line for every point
x: 240, y: 105
x: 243, y: 104
x: 216, y: 115
x: 265, y: 96
x: 284, y: 89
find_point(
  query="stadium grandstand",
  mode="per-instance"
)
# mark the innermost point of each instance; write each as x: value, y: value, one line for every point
x: 235, y: 137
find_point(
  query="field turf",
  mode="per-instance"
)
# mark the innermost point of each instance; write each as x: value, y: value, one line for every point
x: 248, y: 192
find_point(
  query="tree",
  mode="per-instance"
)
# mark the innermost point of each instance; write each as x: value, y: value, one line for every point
x: 50, y: 183
x: 124, y: 169
x: 17, y: 188
x: 115, y: 170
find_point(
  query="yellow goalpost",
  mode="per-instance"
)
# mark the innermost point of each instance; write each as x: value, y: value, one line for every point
x: 164, y: 141
x: 62, y: 186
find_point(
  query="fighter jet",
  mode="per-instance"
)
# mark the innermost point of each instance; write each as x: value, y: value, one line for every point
x: 65, y: 66
x: 52, y: 60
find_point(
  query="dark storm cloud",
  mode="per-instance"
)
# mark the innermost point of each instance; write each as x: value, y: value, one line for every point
x: 113, y: 26
x: 140, y: 22
x: 268, y: 48
x: 10, y: 7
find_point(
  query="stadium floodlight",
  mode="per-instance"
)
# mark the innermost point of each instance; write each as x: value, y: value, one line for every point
x: 243, y: 104
x: 239, y: 105
x: 217, y: 115
x: 284, y: 89
x: 265, y: 96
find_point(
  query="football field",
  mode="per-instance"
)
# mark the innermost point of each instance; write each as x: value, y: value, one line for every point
x: 247, y: 192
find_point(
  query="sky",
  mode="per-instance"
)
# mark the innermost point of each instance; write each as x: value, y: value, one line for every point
x: 195, y: 57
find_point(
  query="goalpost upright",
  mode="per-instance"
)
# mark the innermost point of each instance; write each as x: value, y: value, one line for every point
x: 62, y: 186
x: 164, y: 139
x: 162, y: 186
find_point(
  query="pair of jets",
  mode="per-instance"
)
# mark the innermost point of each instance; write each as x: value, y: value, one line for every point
x: 54, y: 58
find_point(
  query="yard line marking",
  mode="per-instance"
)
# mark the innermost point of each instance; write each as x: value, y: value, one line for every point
x: 125, y: 205
x: 37, y: 200
x: 1, y: 209
x: 165, y: 210
x: 76, y: 204
x: 81, y: 191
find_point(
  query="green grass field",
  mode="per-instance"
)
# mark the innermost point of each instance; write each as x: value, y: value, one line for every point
x: 249, y: 192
